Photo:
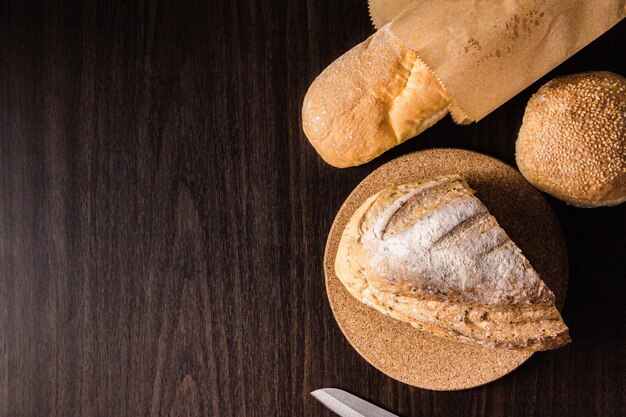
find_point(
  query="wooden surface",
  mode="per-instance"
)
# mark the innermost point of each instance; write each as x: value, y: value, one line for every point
x: 163, y: 220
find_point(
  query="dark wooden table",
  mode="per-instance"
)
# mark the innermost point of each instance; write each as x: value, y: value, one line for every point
x: 163, y: 219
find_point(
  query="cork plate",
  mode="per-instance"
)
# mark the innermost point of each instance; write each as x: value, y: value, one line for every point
x: 414, y: 356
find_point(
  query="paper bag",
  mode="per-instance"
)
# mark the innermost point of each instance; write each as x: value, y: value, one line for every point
x: 486, y: 51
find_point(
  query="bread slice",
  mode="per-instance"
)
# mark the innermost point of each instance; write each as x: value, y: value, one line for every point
x: 372, y: 98
x: 430, y: 254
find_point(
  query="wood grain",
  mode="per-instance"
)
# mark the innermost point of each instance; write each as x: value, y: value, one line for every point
x: 163, y: 219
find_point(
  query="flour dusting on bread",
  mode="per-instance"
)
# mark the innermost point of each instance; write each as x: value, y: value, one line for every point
x: 430, y: 254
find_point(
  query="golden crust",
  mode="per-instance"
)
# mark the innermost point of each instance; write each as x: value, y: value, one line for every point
x: 572, y: 143
x: 514, y: 311
x: 372, y: 98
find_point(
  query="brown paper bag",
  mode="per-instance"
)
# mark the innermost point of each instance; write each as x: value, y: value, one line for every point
x: 486, y: 51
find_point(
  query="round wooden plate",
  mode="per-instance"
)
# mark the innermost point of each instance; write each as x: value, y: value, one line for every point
x: 416, y: 357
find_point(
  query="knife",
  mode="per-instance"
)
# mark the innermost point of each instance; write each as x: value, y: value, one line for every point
x: 348, y: 405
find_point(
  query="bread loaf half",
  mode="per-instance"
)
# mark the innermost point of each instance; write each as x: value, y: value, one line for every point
x: 430, y: 254
x: 372, y: 98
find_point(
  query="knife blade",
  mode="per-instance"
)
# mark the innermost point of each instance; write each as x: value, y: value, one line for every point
x: 348, y: 405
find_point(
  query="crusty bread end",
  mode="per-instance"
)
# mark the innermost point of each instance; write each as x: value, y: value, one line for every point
x: 372, y: 98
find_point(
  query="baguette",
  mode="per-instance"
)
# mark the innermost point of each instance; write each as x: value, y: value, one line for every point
x: 430, y: 254
x: 374, y: 97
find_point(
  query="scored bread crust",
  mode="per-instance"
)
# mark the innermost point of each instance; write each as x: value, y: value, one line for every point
x: 430, y: 254
x: 372, y: 98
